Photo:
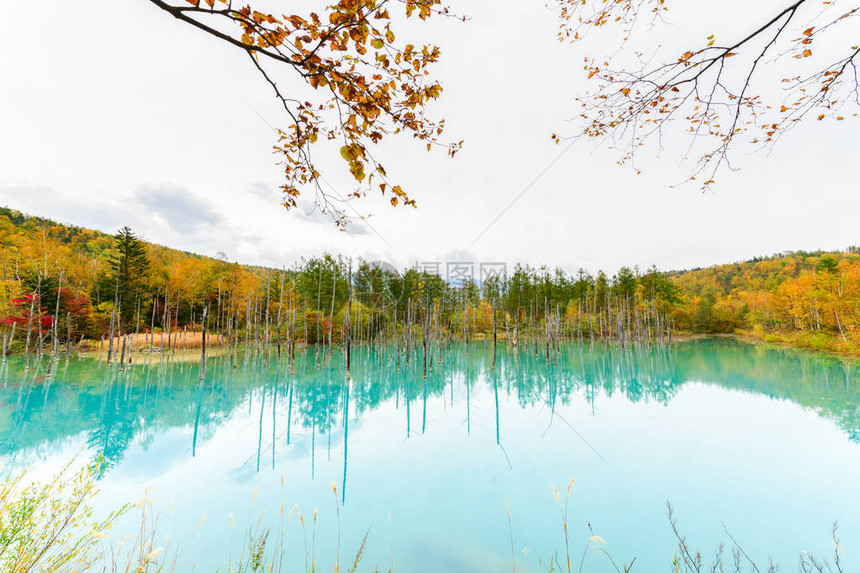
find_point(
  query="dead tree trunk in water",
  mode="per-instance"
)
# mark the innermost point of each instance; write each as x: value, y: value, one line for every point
x: 152, y: 326
x: 68, y: 335
x: 122, y: 354
x: 293, y: 341
x: 113, y: 314
x: 203, y: 344
x: 331, y: 314
x: 111, y: 334
x: 424, y: 338
x: 41, y: 349
x: 349, y: 322
x: 494, y: 335
x: 55, y: 323
x: 280, y: 307
x: 30, y: 325
x: 247, y: 325
x: 11, y: 339
x: 266, y: 333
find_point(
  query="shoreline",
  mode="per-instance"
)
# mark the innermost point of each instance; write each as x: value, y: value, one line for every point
x: 752, y: 338
x: 218, y: 346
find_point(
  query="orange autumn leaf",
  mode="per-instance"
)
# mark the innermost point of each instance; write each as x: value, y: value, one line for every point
x: 370, y: 95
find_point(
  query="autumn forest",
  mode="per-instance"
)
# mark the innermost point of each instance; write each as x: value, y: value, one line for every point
x: 66, y: 287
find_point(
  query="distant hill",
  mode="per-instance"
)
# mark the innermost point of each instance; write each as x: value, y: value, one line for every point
x: 808, y: 298
x: 74, y: 264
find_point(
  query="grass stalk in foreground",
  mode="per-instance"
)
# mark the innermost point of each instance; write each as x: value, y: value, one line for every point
x: 49, y: 528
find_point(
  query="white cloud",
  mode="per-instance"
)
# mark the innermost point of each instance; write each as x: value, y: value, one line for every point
x: 179, y: 208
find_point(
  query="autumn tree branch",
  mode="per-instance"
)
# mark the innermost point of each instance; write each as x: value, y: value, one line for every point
x: 367, y: 85
x: 707, y: 92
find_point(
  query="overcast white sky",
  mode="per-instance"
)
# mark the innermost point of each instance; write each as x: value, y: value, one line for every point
x: 112, y: 114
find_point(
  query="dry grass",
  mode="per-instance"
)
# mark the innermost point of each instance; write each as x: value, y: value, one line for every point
x: 180, y: 340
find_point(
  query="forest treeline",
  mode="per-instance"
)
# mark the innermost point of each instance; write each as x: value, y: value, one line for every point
x: 63, y: 286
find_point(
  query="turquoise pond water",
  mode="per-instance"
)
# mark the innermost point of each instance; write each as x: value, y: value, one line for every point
x: 760, y: 440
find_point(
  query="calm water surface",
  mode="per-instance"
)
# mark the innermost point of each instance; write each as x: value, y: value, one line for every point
x: 764, y: 441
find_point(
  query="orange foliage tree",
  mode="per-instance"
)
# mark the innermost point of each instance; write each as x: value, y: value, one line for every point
x: 813, y: 296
